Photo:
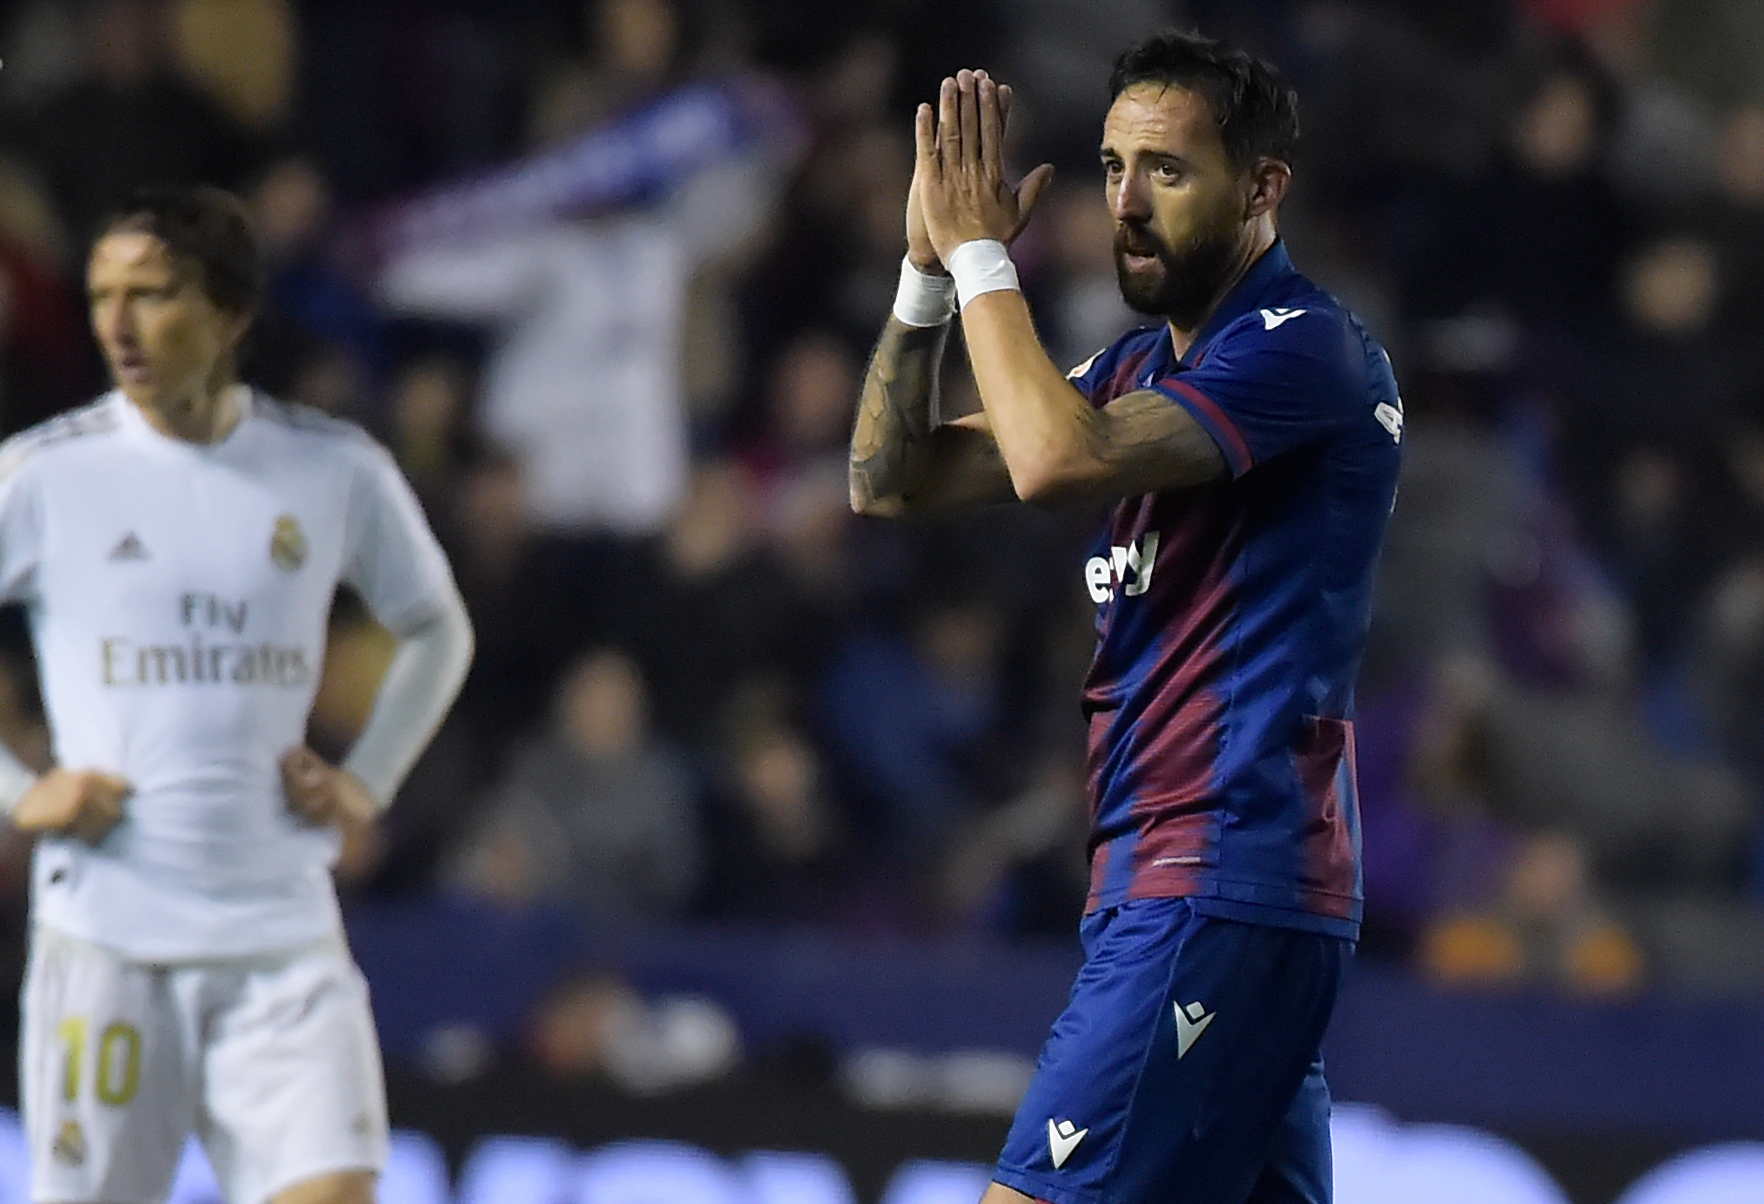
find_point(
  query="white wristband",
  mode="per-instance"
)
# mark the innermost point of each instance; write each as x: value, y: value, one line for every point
x: 982, y: 266
x: 923, y: 299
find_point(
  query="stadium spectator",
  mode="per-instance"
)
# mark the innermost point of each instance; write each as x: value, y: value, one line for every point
x: 129, y: 120
x: 596, y: 813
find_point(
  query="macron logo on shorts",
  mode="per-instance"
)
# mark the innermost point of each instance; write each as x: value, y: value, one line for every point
x: 1062, y: 1138
x: 1191, y: 1022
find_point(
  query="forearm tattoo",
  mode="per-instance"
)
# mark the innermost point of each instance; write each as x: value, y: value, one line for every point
x: 891, y: 442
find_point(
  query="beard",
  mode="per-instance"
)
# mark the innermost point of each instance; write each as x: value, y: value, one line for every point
x: 1186, y: 280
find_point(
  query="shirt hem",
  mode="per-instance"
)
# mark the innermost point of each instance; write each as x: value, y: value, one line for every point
x: 1040, y: 1189
x: 1248, y: 903
x: 336, y: 939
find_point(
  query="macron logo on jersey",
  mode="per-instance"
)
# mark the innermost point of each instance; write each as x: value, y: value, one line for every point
x: 1062, y: 1138
x: 1191, y: 1022
x: 1129, y: 567
x: 1272, y: 318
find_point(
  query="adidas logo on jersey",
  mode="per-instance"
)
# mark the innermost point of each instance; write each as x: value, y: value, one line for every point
x: 1129, y: 567
x: 131, y: 548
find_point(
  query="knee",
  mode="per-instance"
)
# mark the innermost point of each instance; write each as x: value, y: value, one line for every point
x: 339, y: 1187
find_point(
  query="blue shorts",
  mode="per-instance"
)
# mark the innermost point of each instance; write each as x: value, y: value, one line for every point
x: 1186, y: 1067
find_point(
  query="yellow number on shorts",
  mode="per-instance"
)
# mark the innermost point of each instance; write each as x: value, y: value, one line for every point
x: 120, y: 1042
x: 109, y: 1090
x: 72, y: 1032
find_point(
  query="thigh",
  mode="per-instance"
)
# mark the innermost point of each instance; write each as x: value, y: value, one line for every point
x: 292, y: 1088
x: 1300, y: 1169
x: 107, y: 1074
x: 1169, y: 1075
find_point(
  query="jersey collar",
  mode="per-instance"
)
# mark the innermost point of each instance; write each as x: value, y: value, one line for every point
x: 1246, y: 295
x: 244, y: 395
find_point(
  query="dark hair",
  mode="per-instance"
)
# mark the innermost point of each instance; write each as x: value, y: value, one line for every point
x: 1255, y: 108
x: 204, y: 228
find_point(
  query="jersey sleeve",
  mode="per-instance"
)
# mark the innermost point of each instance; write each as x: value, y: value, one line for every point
x: 395, y: 561
x: 1091, y: 376
x: 1275, y: 381
x: 21, y: 523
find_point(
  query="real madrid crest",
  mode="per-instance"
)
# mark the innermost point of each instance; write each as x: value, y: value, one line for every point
x: 288, y: 543
x: 70, y: 1144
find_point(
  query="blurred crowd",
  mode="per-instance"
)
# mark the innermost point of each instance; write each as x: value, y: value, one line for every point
x: 604, y: 275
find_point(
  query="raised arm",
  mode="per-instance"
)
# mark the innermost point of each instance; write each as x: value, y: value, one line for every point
x: 902, y: 458
x: 1055, y: 445
x: 1059, y: 448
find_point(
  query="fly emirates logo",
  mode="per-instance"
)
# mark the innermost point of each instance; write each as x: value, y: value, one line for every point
x: 214, y: 650
x: 1128, y: 569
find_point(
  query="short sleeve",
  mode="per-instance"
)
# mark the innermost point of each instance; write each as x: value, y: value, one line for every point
x: 1272, y: 382
x: 396, y: 563
x: 1100, y: 378
x: 21, y: 524
x: 1084, y: 375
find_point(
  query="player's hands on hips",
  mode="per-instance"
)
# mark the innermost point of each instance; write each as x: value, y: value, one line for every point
x: 958, y: 172
x: 321, y: 793
x: 83, y: 803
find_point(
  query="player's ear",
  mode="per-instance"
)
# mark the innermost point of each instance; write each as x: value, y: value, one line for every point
x: 1268, y: 182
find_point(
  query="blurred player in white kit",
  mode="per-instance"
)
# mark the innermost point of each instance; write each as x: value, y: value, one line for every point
x: 176, y: 545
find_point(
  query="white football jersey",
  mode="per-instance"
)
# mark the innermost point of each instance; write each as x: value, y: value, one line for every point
x: 178, y: 596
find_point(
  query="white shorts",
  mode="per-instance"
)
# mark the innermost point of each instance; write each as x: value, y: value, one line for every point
x: 272, y: 1062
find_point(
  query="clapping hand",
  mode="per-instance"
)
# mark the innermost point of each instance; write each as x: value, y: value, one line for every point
x: 959, y: 192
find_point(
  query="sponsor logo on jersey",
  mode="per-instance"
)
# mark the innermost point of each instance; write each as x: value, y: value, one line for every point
x: 125, y: 663
x: 1390, y: 417
x: 288, y: 543
x: 213, y: 651
x: 1128, y: 567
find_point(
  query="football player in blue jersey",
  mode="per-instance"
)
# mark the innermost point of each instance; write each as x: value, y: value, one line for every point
x: 1249, y: 441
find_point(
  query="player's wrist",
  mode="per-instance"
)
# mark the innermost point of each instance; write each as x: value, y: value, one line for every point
x: 980, y: 266
x: 16, y: 781
x: 924, y: 298
x: 925, y: 262
x: 364, y: 798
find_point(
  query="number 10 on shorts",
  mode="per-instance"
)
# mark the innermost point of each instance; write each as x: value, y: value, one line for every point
x: 117, y: 1066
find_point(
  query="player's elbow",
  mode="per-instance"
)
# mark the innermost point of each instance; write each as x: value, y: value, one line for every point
x: 468, y: 641
x: 1048, y: 478
x: 451, y: 633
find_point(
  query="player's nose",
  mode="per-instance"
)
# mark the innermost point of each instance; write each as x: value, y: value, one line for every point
x: 1128, y: 199
x: 122, y: 340
x: 114, y: 328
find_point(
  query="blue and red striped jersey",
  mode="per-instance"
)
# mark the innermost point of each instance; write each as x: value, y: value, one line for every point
x: 1231, y: 617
